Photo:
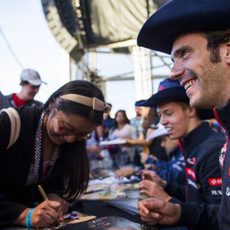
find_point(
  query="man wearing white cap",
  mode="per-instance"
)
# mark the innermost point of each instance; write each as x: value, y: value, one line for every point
x: 30, y: 84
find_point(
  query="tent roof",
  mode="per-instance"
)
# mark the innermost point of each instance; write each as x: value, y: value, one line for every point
x: 84, y: 24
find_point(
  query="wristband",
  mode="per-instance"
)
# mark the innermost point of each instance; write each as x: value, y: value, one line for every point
x: 29, y: 219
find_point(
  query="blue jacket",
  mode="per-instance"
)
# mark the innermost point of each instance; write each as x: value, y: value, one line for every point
x: 223, y: 117
x: 171, y: 170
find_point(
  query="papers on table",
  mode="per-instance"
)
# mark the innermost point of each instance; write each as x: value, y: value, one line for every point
x: 111, y: 191
x: 160, y: 131
x: 113, y: 142
x: 113, y: 222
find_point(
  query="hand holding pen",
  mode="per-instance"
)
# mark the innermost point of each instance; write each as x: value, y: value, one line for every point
x: 47, y: 213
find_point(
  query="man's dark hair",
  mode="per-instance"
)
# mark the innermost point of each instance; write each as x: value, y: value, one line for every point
x: 215, y: 39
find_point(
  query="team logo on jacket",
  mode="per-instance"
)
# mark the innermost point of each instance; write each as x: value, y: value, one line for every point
x: 228, y: 191
x: 222, y: 154
x: 192, y: 161
x: 216, y: 192
x: 193, y: 184
x: 190, y: 172
x: 215, y: 182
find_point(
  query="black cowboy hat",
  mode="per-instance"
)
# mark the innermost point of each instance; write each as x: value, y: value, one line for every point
x: 181, y: 16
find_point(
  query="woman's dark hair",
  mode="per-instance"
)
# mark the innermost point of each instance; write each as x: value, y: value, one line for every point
x: 74, y: 158
x: 124, y: 115
x: 84, y: 88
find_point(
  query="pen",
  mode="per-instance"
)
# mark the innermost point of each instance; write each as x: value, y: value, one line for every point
x: 41, y: 190
x: 94, y: 191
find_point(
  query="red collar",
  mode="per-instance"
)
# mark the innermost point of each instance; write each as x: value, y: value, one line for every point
x: 18, y: 101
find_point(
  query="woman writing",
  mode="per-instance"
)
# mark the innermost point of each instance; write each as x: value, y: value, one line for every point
x: 50, y: 151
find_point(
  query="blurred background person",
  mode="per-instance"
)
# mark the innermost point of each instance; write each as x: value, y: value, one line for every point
x: 108, y: 122
x: 30, y: 82
x: 172, y: 170
x: 150, y: 146
x: 137, y: 123
x: 122, y: 154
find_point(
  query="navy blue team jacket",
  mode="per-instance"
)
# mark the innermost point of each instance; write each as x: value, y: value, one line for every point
x: 223, y: 117
x: 202, y: 193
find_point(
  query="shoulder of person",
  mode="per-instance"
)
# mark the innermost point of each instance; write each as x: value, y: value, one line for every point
x: 34, y: 103
x: 212, y: 147
x: 5, y: 101
x: 28, y: 113
x: 30, y: 110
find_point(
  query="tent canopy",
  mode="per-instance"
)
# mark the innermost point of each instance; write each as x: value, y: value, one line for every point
x: 84, y: 24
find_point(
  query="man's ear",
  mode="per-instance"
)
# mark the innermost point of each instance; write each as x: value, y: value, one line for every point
x: 192, y: 111
x: 227, y: 54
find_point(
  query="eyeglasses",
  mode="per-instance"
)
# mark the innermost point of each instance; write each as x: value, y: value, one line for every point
x: 64, y: 129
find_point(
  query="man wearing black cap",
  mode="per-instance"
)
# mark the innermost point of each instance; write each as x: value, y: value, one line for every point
x: 30, y: 84
x: 200, y: 146
x: 197, y: 35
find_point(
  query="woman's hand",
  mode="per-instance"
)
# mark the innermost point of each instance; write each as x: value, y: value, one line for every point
x: 64, y: 204
x: 50, y: 212
x: 46, y: 214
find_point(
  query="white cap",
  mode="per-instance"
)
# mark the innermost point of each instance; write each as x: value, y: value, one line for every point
x: 31, y: 76
x: 160, y: 131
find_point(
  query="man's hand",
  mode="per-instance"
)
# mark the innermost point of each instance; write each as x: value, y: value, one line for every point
x: 152, y: 189
x: 155, y: 211
x: 152, y: 176
x: 124, y: 171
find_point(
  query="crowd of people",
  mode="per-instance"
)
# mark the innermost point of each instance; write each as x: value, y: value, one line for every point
x: 182, y: 159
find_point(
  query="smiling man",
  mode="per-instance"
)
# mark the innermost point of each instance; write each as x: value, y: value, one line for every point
x: 200, y: 69
x: 197, y: 35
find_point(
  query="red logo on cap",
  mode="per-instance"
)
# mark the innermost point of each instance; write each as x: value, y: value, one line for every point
x: 215, y: 181
x: 161, y: 87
